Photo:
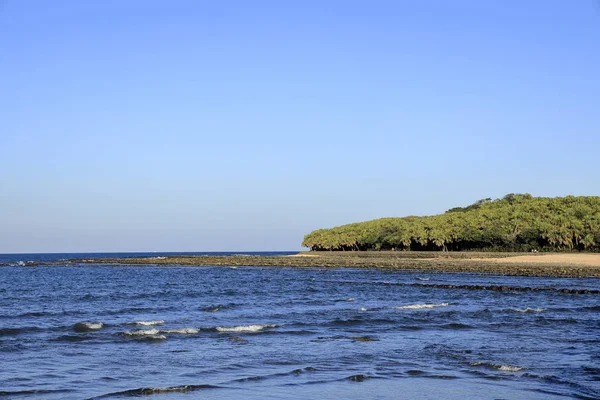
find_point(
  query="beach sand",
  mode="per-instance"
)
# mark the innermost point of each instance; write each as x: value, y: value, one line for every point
x: 592, y: 260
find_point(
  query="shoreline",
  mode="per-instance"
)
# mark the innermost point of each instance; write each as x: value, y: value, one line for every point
x: 575, y: 265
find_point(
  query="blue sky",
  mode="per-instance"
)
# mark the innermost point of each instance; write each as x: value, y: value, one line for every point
x: 236, y: 125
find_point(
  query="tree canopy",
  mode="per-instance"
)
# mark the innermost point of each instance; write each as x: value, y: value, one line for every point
x: 516, y: 222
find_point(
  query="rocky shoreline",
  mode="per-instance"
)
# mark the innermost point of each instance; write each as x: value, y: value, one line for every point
x: 470, y: 262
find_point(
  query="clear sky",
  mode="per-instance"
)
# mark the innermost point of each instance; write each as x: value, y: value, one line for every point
x: 141, y: 125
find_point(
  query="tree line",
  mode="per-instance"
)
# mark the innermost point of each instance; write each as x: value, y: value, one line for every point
x: 516, y: 222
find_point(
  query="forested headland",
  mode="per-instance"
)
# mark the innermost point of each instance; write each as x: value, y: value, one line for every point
x: 516, y: 222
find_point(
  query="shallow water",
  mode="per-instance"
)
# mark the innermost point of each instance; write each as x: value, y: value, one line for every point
x: 77, y: 332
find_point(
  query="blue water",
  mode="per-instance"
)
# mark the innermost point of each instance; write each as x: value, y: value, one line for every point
x: 70, y: 332
x: 52, y: 257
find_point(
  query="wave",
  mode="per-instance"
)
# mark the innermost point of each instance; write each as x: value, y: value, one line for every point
x: 359, y: 320
x: 32, y: 392
x: 131, y: 310
x: 145, y: 334
x: 87, y: 326
x: 509, y: 368
x: 159, y: 334
x: 528, y: 310
x: 456, y: 325
x: 358, y: 378
x: 160, y: 390
x: 415, y: 372
x: 142, y: 332
x: 36, y: 314
x: 591, y: 308
x: 246, y: 328
x: 150, y: 338
x: 421, y: 306
x: 148, y: 323
x: 363, y: 339
x: 553, y: 321
x: 499, y: 367
x: 349, y: 299
x: 154, y: 337
x: 499, y: 288
x: 328, y: 338
x: 182, y: 331
x: 295, y: 372
x: 218, y: 307
x: 345, y: 322
x: 71, y: 338
x: 212, y: 308
x: 446, y: 377
x: 18, y: 331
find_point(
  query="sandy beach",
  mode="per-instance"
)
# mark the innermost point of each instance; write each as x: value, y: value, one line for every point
x: 592, y: 260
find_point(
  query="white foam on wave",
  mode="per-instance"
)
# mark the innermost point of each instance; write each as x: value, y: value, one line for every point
x: 423, y: 279
x: 528, y: 310
x: 421, y: 306
x: 182, y: 331
x: 509, y: 368
x: 148, y: 323
x: 246, y: 328
x: 143, y: 332
x: 499, y: 367
x: 87, y: 326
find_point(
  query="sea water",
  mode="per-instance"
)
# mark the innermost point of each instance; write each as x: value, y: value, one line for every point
x: 82, y: 331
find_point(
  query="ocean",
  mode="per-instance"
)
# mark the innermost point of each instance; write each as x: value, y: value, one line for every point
x: 74, y: 331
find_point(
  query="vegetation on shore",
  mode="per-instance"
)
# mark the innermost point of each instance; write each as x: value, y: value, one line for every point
x: 517, y: 222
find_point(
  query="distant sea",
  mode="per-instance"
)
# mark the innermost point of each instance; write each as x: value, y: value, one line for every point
x: 51, y: 257
x: 179, y: 332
